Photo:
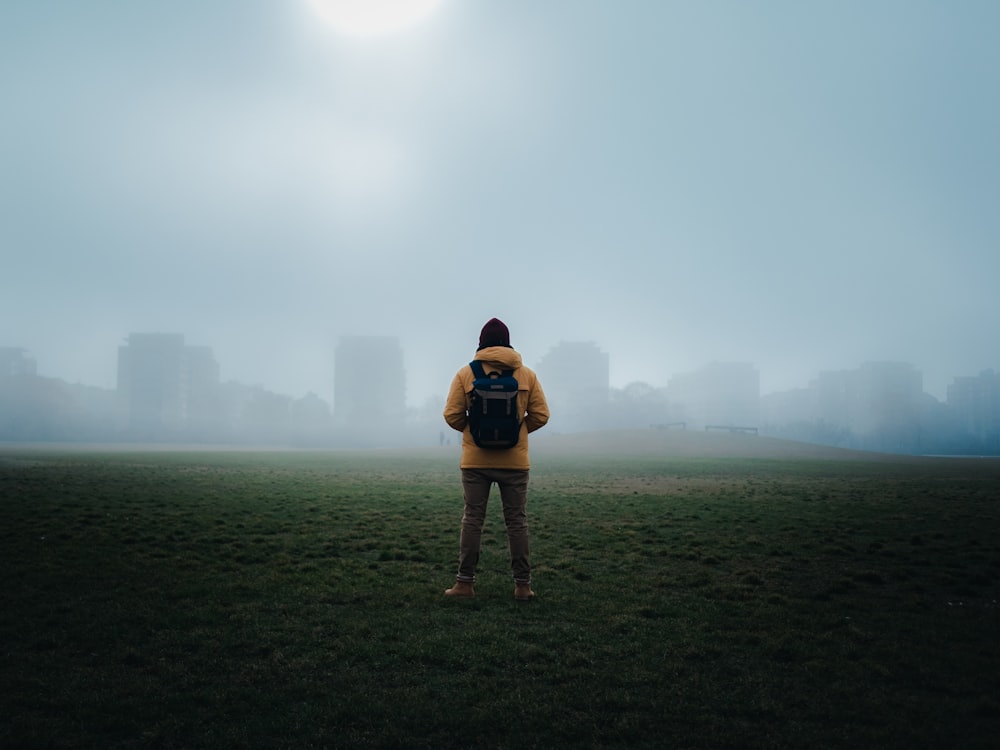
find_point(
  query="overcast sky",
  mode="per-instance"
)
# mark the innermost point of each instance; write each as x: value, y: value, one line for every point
x: 802, y: 185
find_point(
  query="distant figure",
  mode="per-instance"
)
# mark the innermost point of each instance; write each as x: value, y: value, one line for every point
x: 487, y: 459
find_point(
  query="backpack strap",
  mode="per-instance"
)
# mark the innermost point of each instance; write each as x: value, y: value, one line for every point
x: 479, y: 372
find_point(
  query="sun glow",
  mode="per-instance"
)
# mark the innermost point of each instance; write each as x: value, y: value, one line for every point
x: 368, y: 18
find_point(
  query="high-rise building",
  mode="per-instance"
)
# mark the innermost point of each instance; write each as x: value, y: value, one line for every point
x: 887, y: 398
x: 163, y: 385
x: 369, y: 389
x: 204, y: 412
x: 875, y: 398
x: 15, y: 361
x: 975, y: 405
x: 576, y: 377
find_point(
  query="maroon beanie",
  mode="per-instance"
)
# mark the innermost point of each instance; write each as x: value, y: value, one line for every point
x: 494, y: 333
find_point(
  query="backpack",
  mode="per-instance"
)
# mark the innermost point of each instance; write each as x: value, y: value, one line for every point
x: 494, y: 420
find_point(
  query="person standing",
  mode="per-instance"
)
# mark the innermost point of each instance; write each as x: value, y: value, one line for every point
x: 506, y: 467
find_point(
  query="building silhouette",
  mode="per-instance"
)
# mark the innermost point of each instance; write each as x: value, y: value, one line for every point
x: 974, y: 404
x: 369, y: 388
x: 576, y: 377
x: 884, y: 398
x: 166, y: 389
x: 878, y: 406
x: 14, y: 360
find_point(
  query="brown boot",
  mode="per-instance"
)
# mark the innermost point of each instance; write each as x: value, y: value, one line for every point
x: 523, y: 592
x: 461, y: 589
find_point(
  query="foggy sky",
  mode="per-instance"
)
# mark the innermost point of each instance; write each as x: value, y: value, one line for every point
x: 804, y: 186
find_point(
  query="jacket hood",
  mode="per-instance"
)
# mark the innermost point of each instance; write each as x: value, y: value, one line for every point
x: 502, y: 357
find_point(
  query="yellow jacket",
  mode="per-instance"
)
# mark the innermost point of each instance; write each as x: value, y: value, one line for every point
x: 530, y: 401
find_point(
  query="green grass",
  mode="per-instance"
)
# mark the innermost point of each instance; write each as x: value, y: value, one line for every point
x: 293, y: 600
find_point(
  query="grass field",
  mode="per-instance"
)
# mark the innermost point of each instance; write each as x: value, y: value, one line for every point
x: 175, y: 599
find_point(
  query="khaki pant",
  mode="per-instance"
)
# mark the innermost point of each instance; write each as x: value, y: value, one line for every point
x: 476, y: 485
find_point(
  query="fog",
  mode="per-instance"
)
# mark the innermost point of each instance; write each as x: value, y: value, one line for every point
x: 802, y: 186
